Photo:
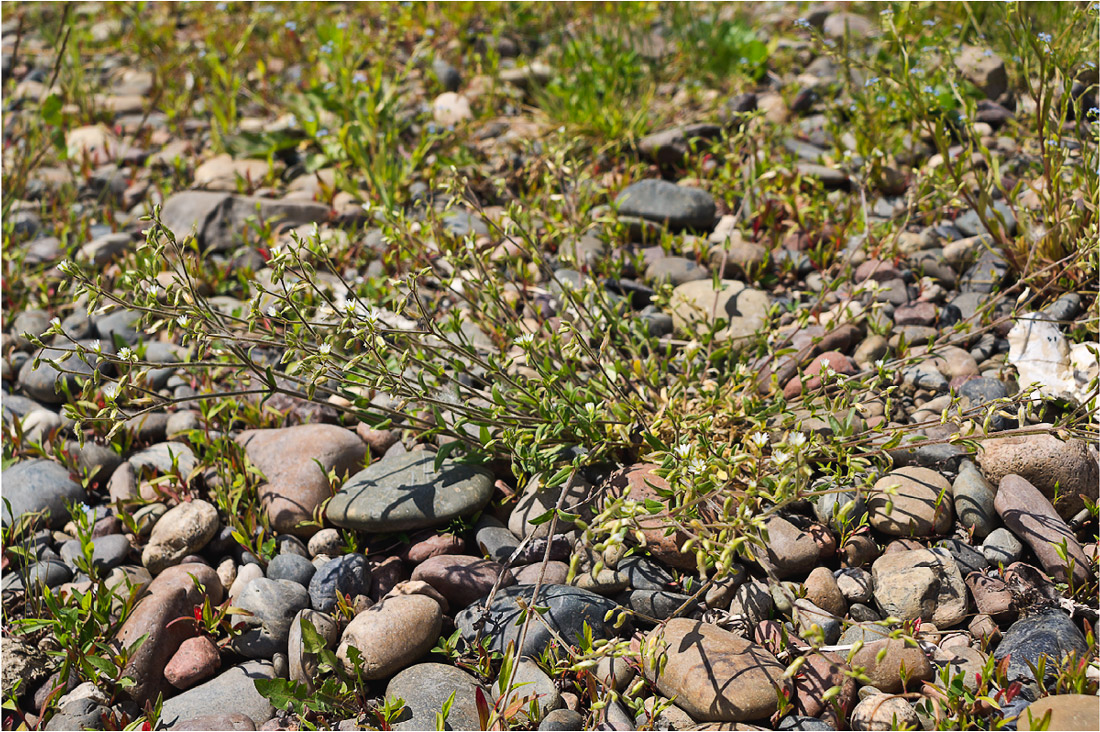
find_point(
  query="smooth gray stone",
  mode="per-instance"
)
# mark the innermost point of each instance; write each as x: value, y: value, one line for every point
x: 405, y: 492
x: 39, y: 485
x: 232, y: 691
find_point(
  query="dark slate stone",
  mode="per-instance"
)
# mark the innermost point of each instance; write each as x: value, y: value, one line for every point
x: 656, y: 604
x: 292, y: 567
x: 969, y: 558
x: 273, y: 604
x: 570, y: 608
x: 658, y: 200
x: 348, y: 575
x: 1050, y: 634
x: 644, y: 573
x: 46, y: 383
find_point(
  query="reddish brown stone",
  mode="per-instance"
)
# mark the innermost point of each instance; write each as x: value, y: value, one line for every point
x: 836, y: 361
x: 196, y: 660
x: 462, y: 579
x: 644, y: 485
x: 432, y: 545
x: 992, y: 597
x: 171, y: 596
x: 295, y: 461
x: 819, y: 673
x: 385, y: 575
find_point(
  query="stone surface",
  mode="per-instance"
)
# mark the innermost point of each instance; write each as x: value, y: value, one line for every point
x: 1045, y: 462
x: 884, y: 712
x: 789, y: 550
x: 405, y: 492
x: 231, y: 692
x: 1051, y: 634
x: 536, y: 500
x: 273, y: 603
x: 1067, y: 712
x: 920, y: 583
x: 218, y: 219
x: 184, y: 530
x: 678, y: 207
x: 296, y: 460
x: 716, y: 676
x: 31, y: 486
x: 529, y: 682
x: 1030, y: 516
x: 974, y: 501
x: 302, y: 664
x: 886, y: 674
x: 920, y: 507
x: 291, y: 567
x: 569, y: 609
x: 197, y: 659
x: 670, y: 146
x: 389, y: 636
x: 823, y: 591
x: 462, y: 579
x: 1002, y: 548
x: 820, y: 673
x: 347, y: 575
x: 643, y: 485
x: 171, y: 595
x: 695, y: 306
x: 425, y: 687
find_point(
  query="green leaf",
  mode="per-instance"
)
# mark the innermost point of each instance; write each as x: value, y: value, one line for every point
x: 51, y: 110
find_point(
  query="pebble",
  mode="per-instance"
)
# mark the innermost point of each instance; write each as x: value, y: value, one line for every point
x: 389, y: 636
x: 562, y: 720
x: 1050, y: 633
x: 823, y: 590
x: 1002, y: 548
x: 1046, y: 462
x: 695, y: 306
x: 31, y: 486
x: 171, y: 594
x: 302, y: 666
x: 405, y: 492
x: 197, y: 659
x: 327, y: 542
x: 974, y: 501
x: 570, y: 608
x: 788, y: 550
x: 1030, y: 516
x: 886, y: 674
x: 183, y: 530
x: 920, y: 583
x: 855, y: 584
x: 296, y: 462
x: 656, y: 604
x: 1067, y: 712
x: 529, y: 682
x: 537, y: 499
x: 345, y: 575
x: 425, y: 687
x: 644, y: 485
x: 462, y: 579
x: 291, y: 567
x: 884, y: 712
x: 273, y: 603
x: 494, y: 540
x: 678, y: 207
x: 920, y: 507
x: 714, y: 675
x: 231, y: 692
x: 820, y: 673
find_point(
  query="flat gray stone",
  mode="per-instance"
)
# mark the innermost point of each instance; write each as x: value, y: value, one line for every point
x: 232, y: 691
x: 39, y: 485
x: 425, y: 687
x: 405, y: 492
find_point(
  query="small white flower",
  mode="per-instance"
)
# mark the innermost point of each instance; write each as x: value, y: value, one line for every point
x: 325, y: 349
x: 97, y: 346
x: 880, y: 363
x: 271, y: 312
x: 55, y: 322
x: 126, y: 354
x: 824, y: 363
x: 372, y: 317
x: 67, y: 267
x: 779, y: 457
x: 682, y: 451
x: 152, y: 288
x: 760, y: 439
x: 525, y: 340
x: 798, y: 439
x: 696, y: 466
x: 182, y: 320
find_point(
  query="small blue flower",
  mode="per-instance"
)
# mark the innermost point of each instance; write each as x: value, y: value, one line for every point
x: 341, y: 25
x: 880, y: 99
x: 929, y: 23
x: 290, y: 25
x: 870, y: 82
x: 1094, y: 111
x: 359, y: 77
x: 928, y: 89
x: 1045, y: 38
x: 220, y: 6
x: 429, y: 32
x: 802, y: 23
x: 323, y: 132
